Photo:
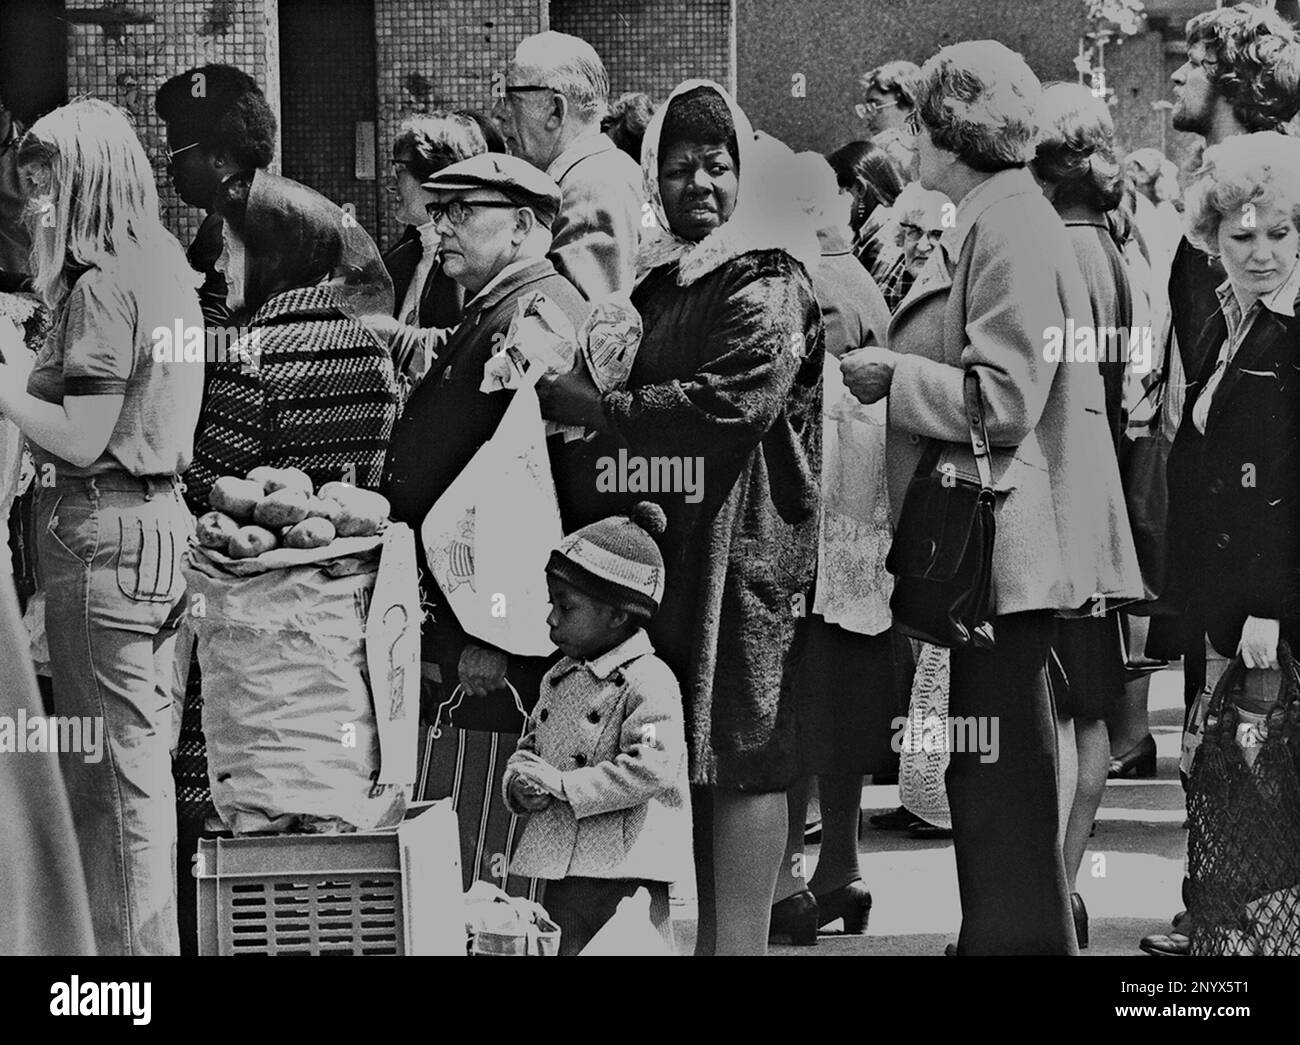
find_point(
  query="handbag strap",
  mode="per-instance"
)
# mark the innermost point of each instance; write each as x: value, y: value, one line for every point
x: 979, y: 439
x: 449, y: 706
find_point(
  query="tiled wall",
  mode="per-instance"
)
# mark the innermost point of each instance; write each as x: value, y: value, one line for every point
x: 653, y: 45
x: 429, y: 54
x: 830, y: 43
x: 443, y: 56
x: 1138, y: 71
x: 444, y: 53
x: 327, y: 91
x: 128, y: 65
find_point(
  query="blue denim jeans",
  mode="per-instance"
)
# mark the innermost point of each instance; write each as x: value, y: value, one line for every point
x: 110, y: 552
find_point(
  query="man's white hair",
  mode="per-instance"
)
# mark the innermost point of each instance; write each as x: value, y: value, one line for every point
x: 567, y: 64
x: 815, y: 190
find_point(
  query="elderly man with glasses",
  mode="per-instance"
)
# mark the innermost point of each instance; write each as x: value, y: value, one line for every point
x: 888, y: 98
x: 556, y: 93
x: 494, y: 216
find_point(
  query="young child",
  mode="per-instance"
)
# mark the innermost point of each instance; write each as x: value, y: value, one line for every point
x: 602, y: 765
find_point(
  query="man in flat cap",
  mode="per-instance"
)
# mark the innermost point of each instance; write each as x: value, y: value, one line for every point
x: 556, y: 92
x: 494, y: 215
x: 219, y: 124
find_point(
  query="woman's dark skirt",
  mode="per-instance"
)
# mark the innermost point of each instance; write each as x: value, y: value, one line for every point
x: 1090, y: 651
x: 847, y: 700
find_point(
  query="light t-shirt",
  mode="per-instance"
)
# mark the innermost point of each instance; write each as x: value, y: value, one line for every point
x: 102, y: 343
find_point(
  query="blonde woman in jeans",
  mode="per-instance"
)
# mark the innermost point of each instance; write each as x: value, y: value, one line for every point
x: 111, y: 428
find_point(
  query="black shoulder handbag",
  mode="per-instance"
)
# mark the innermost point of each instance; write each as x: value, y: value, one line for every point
x: 942, y: 554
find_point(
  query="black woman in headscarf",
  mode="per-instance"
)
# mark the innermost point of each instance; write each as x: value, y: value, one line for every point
x: 727, y: 386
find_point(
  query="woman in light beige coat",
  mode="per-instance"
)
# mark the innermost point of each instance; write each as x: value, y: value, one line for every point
x: 993, y: 299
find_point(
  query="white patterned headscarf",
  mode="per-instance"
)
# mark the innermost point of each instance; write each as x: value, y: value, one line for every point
x: 766, y: 216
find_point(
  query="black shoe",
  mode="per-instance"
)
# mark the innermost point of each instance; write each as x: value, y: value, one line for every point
x: 925, y: 830
x: 899, y: 819
x: 1140, y: 762
x: 795, y: 920
x: 1080, y: 920
x: 950, y: 951
x: 851, y: 902
x: 1140, y: 667
x: 1167, y: 945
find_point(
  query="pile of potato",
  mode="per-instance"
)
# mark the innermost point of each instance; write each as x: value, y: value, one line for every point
x: 277, y: 507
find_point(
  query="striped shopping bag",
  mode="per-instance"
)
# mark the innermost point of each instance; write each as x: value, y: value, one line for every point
x: 467, y: 766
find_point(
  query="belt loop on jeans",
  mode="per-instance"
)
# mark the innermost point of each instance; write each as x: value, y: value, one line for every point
x: 92, y: 489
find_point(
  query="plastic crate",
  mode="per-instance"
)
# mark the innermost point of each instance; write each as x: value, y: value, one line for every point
x: 372, y: 892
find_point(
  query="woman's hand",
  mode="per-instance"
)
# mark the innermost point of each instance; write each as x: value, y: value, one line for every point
x: 572, y: 399
x: 1258, y: 646
x: 482, y: 671
x: 868, y: 373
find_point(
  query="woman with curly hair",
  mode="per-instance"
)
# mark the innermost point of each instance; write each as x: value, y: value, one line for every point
x: 219, y: 124
x: 1234, y: 497
x: 627, y: 120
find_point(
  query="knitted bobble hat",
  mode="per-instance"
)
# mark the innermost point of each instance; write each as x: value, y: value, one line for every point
x: 617, y: 560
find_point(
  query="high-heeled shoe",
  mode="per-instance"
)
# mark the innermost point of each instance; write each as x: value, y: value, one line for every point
x: 851, y: 902
x: 1080, y: 920
x: 795, y: 920
x: 1140, y: 762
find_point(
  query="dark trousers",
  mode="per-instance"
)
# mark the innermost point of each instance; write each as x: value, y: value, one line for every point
x: 582, y: 906
x: 1005, y: 815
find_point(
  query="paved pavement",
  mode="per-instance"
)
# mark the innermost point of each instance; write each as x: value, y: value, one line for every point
x: 1130, y: 877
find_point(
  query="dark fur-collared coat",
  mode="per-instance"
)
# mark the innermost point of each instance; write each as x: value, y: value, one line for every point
x: 729, y: 372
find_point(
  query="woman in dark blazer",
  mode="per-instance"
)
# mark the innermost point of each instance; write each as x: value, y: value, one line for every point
x: 1234, y: 470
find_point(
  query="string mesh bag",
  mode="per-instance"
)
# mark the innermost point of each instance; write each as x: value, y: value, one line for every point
x: 924, y: 756
x: 1243, y: 810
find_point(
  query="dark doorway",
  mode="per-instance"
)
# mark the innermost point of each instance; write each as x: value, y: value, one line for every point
x: 328, y: 103
x: 33, y: 56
